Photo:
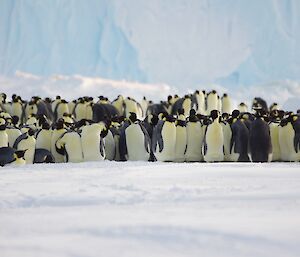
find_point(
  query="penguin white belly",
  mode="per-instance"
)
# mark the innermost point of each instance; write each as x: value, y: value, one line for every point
x: 91, y: 147
x: 227, y: 138
x: 135, y: 141
x: 3, y: 139
x: 214, y: 141
x: 61, y: 109
x: 73, y: 147
x: 80, y: 112
x: 212, y: 103
x: 286, y: 141
x: 226, y: 105
x: 17, y: 162
x: 194, y: 142
x: 274, y: 132
x: 16, y: 109
x: 28, y: 144
x: 13, y: 134
x: 43, y: 140
x: 169, y: 142
x: 201, y: 103
x: 89, y: 112
x: 181, y: 144
x: 110, y: 146
x: 186, y: 105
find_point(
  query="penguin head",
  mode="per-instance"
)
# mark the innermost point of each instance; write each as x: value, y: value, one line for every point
x: 31, y: 132
x: 20, y: 154
x: 132, y: 117
x: 224, y: 95
x: 197, y: 92
x: 170, y: 118
x: 58, y: 97
x: 154, y: 120
x: 283, y: 122
x: 45, y: 125
x: 192, y: 112
x: 214, y: 114
x: 2, y: 127
x: 60, y: 124
x: 235, y: 114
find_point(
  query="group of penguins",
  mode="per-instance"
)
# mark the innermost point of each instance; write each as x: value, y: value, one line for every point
x: 197, y: 127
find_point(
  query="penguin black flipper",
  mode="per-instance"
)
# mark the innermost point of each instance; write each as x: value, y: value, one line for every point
x: 6, y: 155
x: 19, y: 139
x: 101, y: 146
x: 122, y: 142
x: 147, y: 141
x: 157, y: 137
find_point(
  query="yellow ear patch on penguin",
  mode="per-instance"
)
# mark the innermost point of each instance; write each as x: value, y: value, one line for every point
x: 234, y: 120
x: 295, y: 118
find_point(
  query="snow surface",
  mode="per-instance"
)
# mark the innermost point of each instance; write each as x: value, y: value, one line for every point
x: 150, y: 209
x: 177, y: 42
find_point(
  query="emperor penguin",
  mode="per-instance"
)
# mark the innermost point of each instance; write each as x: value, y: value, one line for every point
x: 259, y: 103
x: 200, y: 99
x: 26, y: 142
x: 17, y: 107
x: 10, y: 156
x: 131, y: 106
x: 69, y: 144
x: 212, y: 101
x: 242, y: 107
x: 61, y: 108
x: 44, y: 136
x: 118, y: 103
x: 30, y: 110
x: 3, y: 136
x: 289, y: 140
x: 134, y: 141
x: 144, y: 105
x: 181, y: 137
x: 274, y: 106
x: 92, y: 141
x: 55, y: 102
x: 260, y: 143
x: 110, y: 144
x: 239, y: 140
x: 57, y: 132
x: 164, y: 139
x: 227, y: 134
x: 43, y: 156
x: 194, y: 138
x: 13, y: 132
x: 226, y: 104
x: 72, y: 105
x: 274, y: 132
x: 213, y: 143
x: 80, y: 109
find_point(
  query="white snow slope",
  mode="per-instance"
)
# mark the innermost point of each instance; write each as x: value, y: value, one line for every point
x: 150, y: 209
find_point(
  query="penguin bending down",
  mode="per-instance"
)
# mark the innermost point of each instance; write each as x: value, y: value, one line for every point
x: 134, y: 141
x: 164, y: 139
x: 43, y: 156
x: 69, y: 144
x: 92, y: 142
x: 213, y: 144
x: 181, y: 137
x: 194, y: 139
x: 26, y: 142
x: 260, y: 140
x: 9, y: 155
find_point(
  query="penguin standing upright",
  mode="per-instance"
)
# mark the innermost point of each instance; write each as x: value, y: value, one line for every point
x: 134, y: 141
x: 26, y: 142
x: 227, y: 134
x: 226, y: 104
x: 119, y: 104
x: 212, y: 101
x: 13, y: 132
x: 3, y: 136
x: 60, y: 109
x: 17, y: 107
x: 69, y: 144
x: 289, y: 139
x: 194, y: 138
x: 144, y: 105
x: 239, y: 139
x: 242, y: 107
x: 181, y: 137
x: 260, y: 140
x: 274, y: 132
x: 200, y: 99
x: 56, y: 134
x: 164, y: 139
x: 92, y: 141
x: 213, y: 144
x: 43, y: 137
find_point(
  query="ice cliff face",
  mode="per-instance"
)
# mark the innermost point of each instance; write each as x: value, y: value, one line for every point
x: 179, y: 42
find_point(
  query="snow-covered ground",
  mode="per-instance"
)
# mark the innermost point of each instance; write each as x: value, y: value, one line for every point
x: 150, y: 209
